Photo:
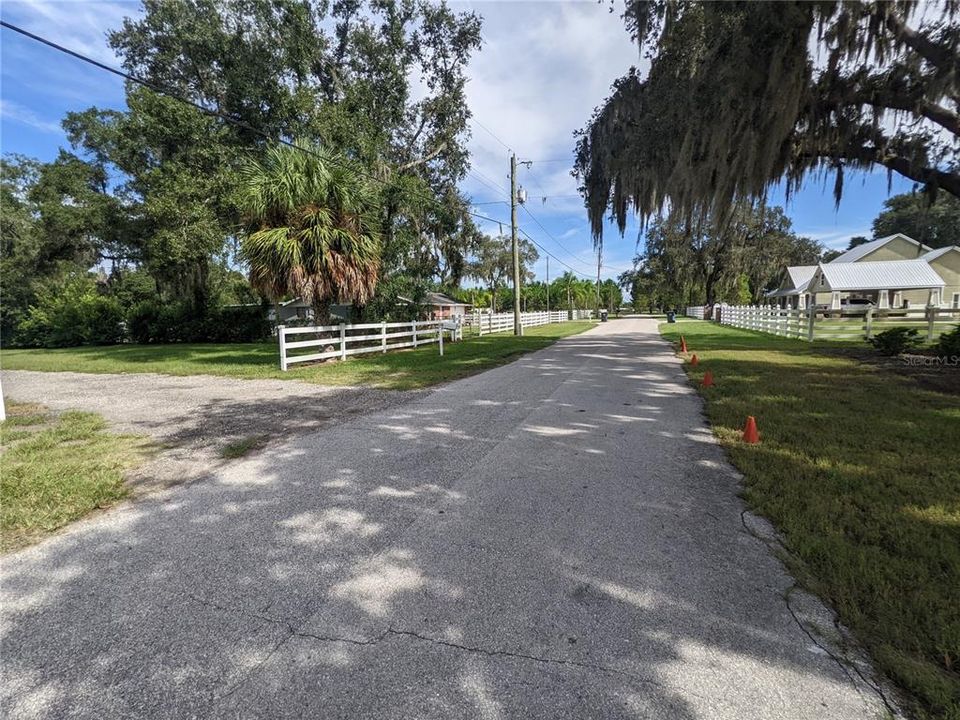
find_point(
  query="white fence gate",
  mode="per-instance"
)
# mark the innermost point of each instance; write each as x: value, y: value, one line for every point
x: 342, y: 341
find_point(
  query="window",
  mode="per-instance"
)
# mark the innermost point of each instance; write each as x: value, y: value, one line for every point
x: 956, y: 301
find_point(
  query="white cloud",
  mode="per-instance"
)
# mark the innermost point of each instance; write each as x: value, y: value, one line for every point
x: 77, y: 24
x: 18, y: 113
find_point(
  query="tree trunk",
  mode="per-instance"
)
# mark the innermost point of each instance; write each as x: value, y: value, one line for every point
x: 321, y: 311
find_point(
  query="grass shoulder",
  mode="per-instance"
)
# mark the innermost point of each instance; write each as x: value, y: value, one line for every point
x: 399, y: 370
x: 58, y: 468
x: 858, y: 470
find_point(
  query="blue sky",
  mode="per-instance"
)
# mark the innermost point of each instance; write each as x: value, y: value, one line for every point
x: 543, y: 68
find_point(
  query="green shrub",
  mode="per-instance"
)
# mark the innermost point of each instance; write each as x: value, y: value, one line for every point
x: 949, y: 343
x: 242, y: 323
x: 153, y: 322
x: 896, y: 340
x: 71, y: 312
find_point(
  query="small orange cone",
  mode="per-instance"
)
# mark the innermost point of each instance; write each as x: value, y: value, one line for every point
x: 750, y: 433
x: 694, y: 360
x: 683, y: 344
x: 707, y: 379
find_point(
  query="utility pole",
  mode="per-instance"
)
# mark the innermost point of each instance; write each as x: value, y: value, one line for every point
x: 548, y: 284
x: 517, y: 329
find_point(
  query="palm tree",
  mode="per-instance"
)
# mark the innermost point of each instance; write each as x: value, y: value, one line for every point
x: 311, y: 228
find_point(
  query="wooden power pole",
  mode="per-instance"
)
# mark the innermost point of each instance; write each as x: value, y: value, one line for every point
x: 517, y: 328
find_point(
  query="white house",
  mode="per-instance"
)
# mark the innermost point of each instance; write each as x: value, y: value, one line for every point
x: 891, y: 272
x: 881, y: 283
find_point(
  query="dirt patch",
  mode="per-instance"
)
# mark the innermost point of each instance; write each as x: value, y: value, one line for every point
x: 194, y: 419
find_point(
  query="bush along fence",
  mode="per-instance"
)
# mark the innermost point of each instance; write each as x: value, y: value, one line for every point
x: 826, y: 324
x: 324, y: 342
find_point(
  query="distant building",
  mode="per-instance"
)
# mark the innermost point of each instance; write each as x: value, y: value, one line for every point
x: 891, y: 272
x: 438, y: 306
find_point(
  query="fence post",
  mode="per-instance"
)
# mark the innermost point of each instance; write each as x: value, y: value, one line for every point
x: 812, y: 318
x: 931, y: 318
x: 869, y: 322
x: 343, y: 341
x: 414, y: 333
x: 283, y: 347
x: 440, y: 331
x: 383, y: 336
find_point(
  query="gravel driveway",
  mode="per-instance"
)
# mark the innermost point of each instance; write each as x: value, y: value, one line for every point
x: 192, y: 418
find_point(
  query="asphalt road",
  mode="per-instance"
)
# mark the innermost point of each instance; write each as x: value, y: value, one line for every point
x: 556, y: 538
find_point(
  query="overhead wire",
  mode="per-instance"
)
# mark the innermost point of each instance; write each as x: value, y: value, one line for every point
x: 167, y: 92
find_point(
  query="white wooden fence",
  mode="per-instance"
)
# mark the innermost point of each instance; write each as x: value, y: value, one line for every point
x: 696, y: 311
x: 484, y: 324
x: 826, y: 324
x: 342, y: 341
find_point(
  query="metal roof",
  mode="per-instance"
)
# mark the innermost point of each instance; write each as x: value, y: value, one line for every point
x: 795, y: 282
x: 854, y: 254
x: 883, y: 275
x: 939, y: 252
x: 801, y: 275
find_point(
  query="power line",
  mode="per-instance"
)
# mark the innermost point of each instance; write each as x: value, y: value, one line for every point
x: 549, y: 235
x: 571, y: 269
x: 160, y: 90
x: 490, y: 133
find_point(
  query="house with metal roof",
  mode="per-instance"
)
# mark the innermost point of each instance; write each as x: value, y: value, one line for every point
x: 946, y: 262
x: 793, y: 288
x: 887, y: 272
x: 882, y: 283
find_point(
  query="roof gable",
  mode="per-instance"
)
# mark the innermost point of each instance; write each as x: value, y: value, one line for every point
x: 861, y: 251
x: 940, y: 252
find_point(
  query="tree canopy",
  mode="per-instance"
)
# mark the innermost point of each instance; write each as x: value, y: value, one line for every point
x: 691, y: 264
x: 742, y: 95
x: 155, y: 193
x: 933, y: 224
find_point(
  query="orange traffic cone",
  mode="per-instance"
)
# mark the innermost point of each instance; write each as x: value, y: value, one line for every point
x: 707, y: 379
x: 683, y: 344
x: 750, y: 433
x: 694, y: 360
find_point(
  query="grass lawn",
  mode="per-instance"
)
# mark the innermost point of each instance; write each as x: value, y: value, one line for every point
x: 56, y: 469
x: 398, y: 370
x: 859, y: 468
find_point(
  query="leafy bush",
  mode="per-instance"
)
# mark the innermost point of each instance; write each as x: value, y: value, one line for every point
x: 242, y: 323
x: 70, y: 311
x: 151, y: 322
x: 896, y: 340
x: 949, y: 344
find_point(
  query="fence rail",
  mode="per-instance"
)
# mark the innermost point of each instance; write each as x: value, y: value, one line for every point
x: 827, y: 324
x: 342, y: 341
x: 485, y: 324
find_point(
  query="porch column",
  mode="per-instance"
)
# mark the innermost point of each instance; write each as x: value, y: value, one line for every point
x: 835, y: 302
x: 898, y: 299
x: 884, y: 299
x: 803, y: 299
x: 934, y: 297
